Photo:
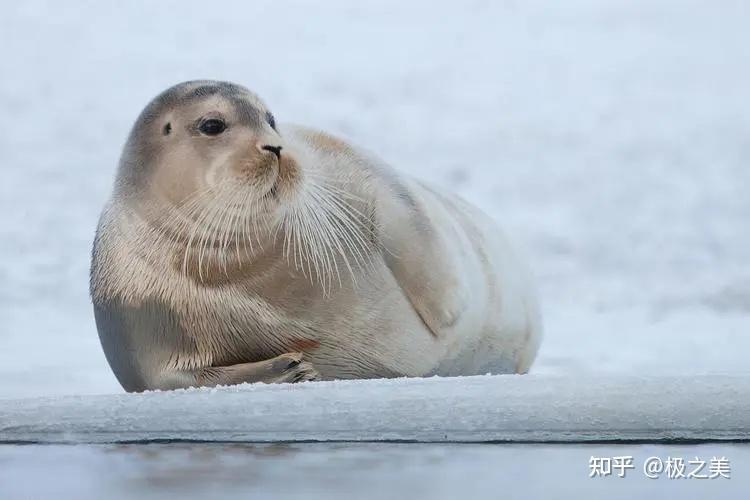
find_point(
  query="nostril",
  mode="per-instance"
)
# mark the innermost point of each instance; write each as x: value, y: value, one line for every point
x: 273, y: 149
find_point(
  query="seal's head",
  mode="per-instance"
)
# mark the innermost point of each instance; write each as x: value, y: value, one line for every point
x: 203, y: 140
x: 206, y: 168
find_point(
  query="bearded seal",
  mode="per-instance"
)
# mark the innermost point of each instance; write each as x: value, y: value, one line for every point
x: 233, y: 247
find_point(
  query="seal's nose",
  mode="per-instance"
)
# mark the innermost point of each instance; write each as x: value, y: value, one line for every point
x: 274, y: 149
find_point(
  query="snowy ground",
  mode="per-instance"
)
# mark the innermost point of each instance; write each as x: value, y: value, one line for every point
x: 612, y: 139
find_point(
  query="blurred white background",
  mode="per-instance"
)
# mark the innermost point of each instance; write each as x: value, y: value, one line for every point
x: 610, y: 139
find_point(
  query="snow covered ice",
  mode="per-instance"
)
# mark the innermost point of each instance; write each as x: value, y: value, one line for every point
x: 470, y: 409
x: 609, y: 138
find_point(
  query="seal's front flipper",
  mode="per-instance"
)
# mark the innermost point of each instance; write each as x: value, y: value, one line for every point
x: 423, y: 245
x: 286, y: 368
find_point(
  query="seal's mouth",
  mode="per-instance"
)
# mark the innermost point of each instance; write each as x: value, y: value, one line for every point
x: 273, y: 191
x: 270, y: 176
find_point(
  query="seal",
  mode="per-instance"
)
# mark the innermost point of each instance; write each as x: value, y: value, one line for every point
x: 234, y: 249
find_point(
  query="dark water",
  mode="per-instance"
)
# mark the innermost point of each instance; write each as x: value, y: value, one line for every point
x: 349, y: 470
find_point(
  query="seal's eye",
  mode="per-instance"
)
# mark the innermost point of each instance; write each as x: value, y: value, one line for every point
x: 270, y: 119
x: 212, y: 126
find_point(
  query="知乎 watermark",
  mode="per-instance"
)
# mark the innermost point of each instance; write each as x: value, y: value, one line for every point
x: 655, y: 467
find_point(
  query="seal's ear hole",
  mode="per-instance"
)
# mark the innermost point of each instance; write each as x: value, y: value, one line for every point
x: 167, y: 129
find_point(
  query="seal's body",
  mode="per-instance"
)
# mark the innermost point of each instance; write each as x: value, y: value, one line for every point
x: 231, y: 248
